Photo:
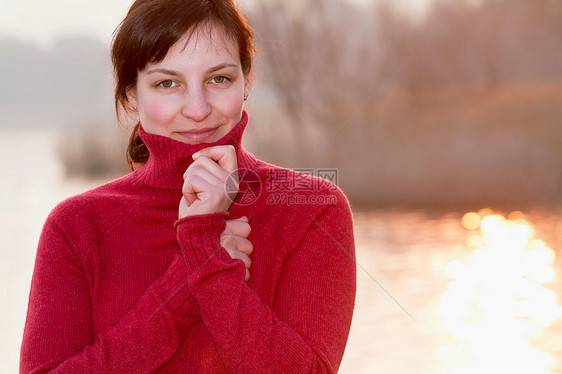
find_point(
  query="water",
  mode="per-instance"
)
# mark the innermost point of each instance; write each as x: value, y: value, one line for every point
x: 31, y: 184
x: 411, y: 315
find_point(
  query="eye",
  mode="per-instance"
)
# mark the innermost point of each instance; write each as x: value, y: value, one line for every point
x: 220, y: 79
x: 168, y: 83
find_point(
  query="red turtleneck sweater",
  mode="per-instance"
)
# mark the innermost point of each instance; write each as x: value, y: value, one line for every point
x: 121, y: 286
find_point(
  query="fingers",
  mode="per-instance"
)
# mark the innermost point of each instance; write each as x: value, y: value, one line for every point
x: 242, y: 245
x: 237, y: 255
x: 238, y: 249
x: 239, y: 227
x: 234, y: 240
x: 202, y: 185
x: 224, y: 155
x: 206, y: 163
x: 210, y: 182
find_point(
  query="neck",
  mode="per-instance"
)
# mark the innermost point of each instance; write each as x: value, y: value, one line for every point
x: 168, y: 158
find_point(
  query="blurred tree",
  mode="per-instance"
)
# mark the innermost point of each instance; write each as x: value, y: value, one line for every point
x: 320, y: 56
x: 408, y: 92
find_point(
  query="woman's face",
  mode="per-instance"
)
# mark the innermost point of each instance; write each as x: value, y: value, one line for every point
x: 196, y: 94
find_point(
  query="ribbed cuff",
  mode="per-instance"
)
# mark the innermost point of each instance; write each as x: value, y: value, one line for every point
x: 199, y: 239
x: 171, y: 289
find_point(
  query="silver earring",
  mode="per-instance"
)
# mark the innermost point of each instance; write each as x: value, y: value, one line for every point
x: 134, y: 107
x: 245, y: 97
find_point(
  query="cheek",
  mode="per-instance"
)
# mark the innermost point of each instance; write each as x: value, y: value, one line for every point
x: 231, y: 107
x: 157, y: 116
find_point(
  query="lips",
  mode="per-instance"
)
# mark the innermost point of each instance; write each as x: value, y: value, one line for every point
x: 199, y: 135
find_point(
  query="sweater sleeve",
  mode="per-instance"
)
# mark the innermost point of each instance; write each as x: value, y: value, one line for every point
x: 306, y: 330
x: 58, y: 330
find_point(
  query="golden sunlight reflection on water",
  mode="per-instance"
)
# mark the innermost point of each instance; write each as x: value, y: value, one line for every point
x: 497, y: 300
x: 481, y: 287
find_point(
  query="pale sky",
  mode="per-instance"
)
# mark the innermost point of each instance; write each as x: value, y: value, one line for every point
x: 41, y: 21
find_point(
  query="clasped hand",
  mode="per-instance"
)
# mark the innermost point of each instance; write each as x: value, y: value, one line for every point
x: 210, y: 186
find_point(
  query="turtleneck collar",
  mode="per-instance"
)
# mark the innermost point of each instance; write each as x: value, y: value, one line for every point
x: 168, y: 158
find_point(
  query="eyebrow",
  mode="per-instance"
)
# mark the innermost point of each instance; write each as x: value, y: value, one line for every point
x: 175, y: 73
x: 163, y: 71
x: 221, y: 66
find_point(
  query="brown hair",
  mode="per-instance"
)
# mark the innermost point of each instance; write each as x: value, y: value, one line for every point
x: 150, y: 29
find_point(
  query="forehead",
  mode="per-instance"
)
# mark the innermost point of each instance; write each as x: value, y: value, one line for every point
x: 206, y: 40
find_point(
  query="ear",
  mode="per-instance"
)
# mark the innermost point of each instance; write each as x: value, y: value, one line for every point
x: 132, y: 98
x: 247, y: 86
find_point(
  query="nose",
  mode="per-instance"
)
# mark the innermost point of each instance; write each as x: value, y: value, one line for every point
x: 196, y: 106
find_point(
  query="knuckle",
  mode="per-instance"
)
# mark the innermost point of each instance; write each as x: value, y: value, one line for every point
x: 201, y: 161
x: 191, y: 167
x: 196, y: 168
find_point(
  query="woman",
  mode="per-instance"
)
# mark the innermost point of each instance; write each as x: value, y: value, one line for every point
x: 173, y: 268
